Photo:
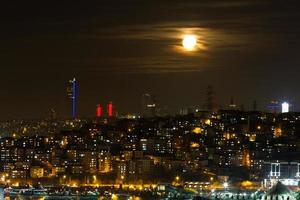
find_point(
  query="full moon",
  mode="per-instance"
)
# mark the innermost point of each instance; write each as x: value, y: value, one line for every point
x: 189, y: 42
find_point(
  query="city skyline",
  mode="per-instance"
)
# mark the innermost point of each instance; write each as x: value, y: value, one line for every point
x: 150, y: 100
x: 247, y: 50
x: 153, y: 108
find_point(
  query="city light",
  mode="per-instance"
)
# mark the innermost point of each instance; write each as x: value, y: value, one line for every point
x: 208, y: 122
x: 99, y: 110
x: 225, y: 185
x: 72, y: 92
x: 110, y: 109
x: 285, y: 107
x: 197, y: 130
x: 205, y: 136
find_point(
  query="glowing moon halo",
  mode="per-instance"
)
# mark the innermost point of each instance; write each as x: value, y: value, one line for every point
x: 189, y: 42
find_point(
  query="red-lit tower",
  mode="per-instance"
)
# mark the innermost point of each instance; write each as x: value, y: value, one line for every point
x: 99, y: 110
x: 110, y: 109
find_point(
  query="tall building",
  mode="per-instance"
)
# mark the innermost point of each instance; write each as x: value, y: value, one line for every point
x: 274, y: 106
x: 285, y: 107
x: 110, y: 110
x: 52, y: 114
x: 99, y: 110
x: 232, y: 105
x: 149, y: 105
x: 72, y: 91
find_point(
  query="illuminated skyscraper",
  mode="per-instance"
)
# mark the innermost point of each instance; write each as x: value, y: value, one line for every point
x: 72, y: 91
x: 99, y: 111
x: 274, y: 106
x: 149, y: 105
x: 232, y: 105
x: 110, y: 109
x: 285, y: 107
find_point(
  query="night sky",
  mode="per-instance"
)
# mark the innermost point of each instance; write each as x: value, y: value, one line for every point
x: 119, y: 50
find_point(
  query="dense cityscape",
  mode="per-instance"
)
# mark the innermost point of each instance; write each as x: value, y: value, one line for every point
x: 199, y: 150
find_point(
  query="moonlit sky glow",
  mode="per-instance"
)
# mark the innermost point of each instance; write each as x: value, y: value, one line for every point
x: 119, y: 50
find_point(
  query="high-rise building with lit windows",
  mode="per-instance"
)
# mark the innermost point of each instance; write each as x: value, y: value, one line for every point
x: 110, y: 110
x: 99, y: 110
x: 72, y: 91
x: 149, y: 105
x: 285, y: 107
